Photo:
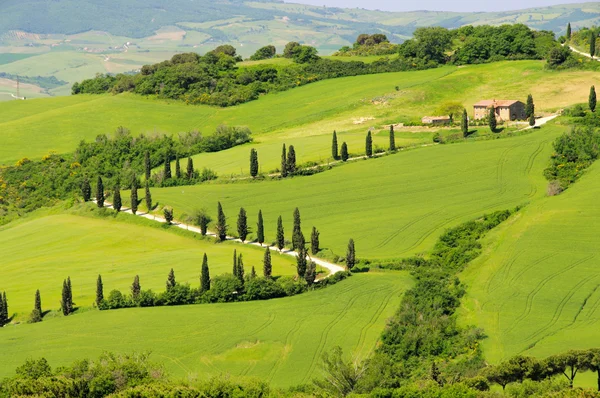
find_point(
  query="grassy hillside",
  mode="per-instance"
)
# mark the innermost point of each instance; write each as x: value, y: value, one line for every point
x: 536, y: 290
x: 394, y: 206
x: 40, y: 253
x: 277, y: 340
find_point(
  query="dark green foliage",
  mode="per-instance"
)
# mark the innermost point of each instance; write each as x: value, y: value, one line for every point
x: 334, y: 146
x: 464, y: 123
x: 242, y: 225
x: 253, y: 163
x: 134, y: 195
x: 284, y: 168
x: 529, y: 107
x: 532, y: 120
x: 341, y: 376
x: 99, y: 292
x: 167, y: 169
x: 117, y: 204
x: 311, y: 273
x: 280, y: 236
x: 291, y: 160
x: 240, y: 269
x: 224, y: 289
x: 221, y: 223
x: 266, y: 52
x: 369, y: 145
x: 344, y: 152
x: 267, y: 267
x: 559, y: 56
x: 297, y: 237
x: 235, y: 263
x: 147, y: 165
x: 171, y: 280
x: 492, y: 122
x: 86, y: 190
x: 3, y: 310
x: 301, y: 258
x: 201, y: 218
x: 177, y: 167
x: 392, y: 146
x: 66, y: 303
x: 253, y: 273
x: 350, y: 255
x: 263, y: 289
x: 99, y: 192
x: 38, y: 302
x: 148, y: 198
x: 314, y: 241
x: 592, y: 99
x: 260, y: 229
x: 569, y: 31
x: 205, y: 275
x: 593, y: 36
x: 168, y: 214
x: 189, y: 170
x: 136, y: 289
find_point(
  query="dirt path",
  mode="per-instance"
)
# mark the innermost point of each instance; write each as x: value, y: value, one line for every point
x: 331, y: 267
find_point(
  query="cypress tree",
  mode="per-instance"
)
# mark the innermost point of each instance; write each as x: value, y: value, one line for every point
x: 168, y: 214
x: 167, y: 172
x: 369, y: 145
x: 253, y: 163
x: 492, y: 120
x: 350, y: 255
x: 38, y: 301
x: 148, y: 198
x: 235, y: 266
x: 134, y: 195
x: 3, y: 310
x: 242, y: 225
x: 284, y: 167
x: 344, y: 152
x: 334, y: 147
x: 592, y: 43
x: 136, y: 288
x: 189, y: 173
x: 147, y: 166
x: 117, y: 204
x: 569, y: 31
x: 240, y: 269
x: 221, y: 223
x: 86, y: 190
x: 291, y: 160
x: 267, y: 267
x: 253, y: 273
x: 464, y: 124
x: 592, y: 99
x: 100, y: 193
x: 99, y: 291
x: 65, y: 302
x: 311, y: 273
x: 70, y: 291
x: 530, y: 107
x: 301, y: 259
x: 532, y: 120
x: 205, y: 275
x: 36, y: 314
x: 171, y: 280
x: 314, y: 241
x: 392, y: 139
x: 297, y: 231
x: 280, y: 236
x: 177, y: 167
x: 260, y: 228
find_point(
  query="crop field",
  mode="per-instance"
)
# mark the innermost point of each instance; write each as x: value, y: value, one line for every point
x: 537, y: 290
x: 278, y: 340
x: 40, y: 253
x: 393, y: 206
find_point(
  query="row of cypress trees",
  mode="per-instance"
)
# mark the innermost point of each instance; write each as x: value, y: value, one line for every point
x: 86, y: 191
x: 342, y: 153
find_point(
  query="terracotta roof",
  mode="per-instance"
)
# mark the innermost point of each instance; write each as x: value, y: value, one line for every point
x: 495, y: 103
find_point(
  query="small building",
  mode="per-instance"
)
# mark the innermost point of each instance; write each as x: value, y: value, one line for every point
x: 505, y: 109
x: 436, y: 120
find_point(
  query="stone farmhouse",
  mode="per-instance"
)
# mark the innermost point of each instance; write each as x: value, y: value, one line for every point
x: 505, y: 109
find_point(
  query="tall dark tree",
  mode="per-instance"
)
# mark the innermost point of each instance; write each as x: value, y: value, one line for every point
x: 301, y: 260
x: 168, y: 214
x: 351, y: 255
x: 242, y: 225
x: 36, y: 314
x: 529, y: 107
x: 99, y: 291
x: 260, y: 229
x: 492, y: 120
x: 3, y: 309
x: 253, y: 273
x: 344, y: 152
x: 171, y: 280
x: 100, y: 192
x: 235, y: 263
x: 532, y: 120
x: 205, y: 275
x: 240, y: 269
x: 592, y: 99
x: 592, y: 43
x: 311, y: 273
x: 117, y: 204
x: 314, y: 241
x: 86, y: 190
x: 167, y: 172
x: 38, y: 301
x: 189, y: 172
x: 334, y: 147
x: 369, y: 145
x: 221, y: 223
x: 267, y: 266
x: 148, y: 198
x: 136, y: 288
x: 66, y: 302
x: 297, y: 231
x: 291, y: 160
x: 284, y: 167
x: 464, y: 123
x: 569, y: 31
x: 392, y: 139
x: 177, y: 167
x: 134, y: 195
x: 280, y: 237
x: 147, y: 166
x: 253, y: 163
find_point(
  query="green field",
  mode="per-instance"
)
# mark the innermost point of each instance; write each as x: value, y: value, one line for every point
x: 394, y: 206
x: 40, y: 253
x: 278, y: 340
x: 536, y: 290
